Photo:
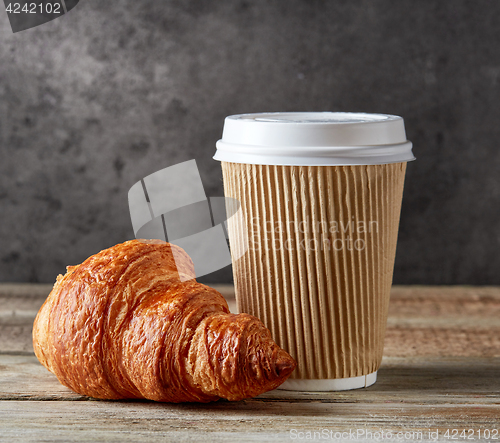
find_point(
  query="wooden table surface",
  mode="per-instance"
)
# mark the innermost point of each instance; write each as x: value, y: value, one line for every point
x: 440, y: 376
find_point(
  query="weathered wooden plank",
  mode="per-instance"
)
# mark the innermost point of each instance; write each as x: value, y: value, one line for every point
x: 440, y: 371
x: 24, y: 290
x: 19, y: 303
x: 421, y: 380
x: 225, y: 421
x: 443, y: 321
x: 22, y: 377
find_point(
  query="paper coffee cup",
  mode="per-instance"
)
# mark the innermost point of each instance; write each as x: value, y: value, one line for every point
x: 321, y: 197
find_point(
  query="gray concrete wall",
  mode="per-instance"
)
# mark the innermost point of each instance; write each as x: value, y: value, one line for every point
x: 94, y: 101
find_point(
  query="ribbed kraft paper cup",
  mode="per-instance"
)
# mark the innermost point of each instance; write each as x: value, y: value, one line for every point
x: 318, y: 270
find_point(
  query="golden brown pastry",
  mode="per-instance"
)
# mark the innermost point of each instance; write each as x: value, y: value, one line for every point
x: 123, y: 325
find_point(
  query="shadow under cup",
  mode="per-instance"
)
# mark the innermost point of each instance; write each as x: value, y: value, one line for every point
x: 321, y: 236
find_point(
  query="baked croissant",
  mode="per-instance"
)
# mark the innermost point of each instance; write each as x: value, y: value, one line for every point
x: 123, y: 325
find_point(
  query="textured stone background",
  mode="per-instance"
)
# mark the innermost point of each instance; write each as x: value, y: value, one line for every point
x: 94, y: 101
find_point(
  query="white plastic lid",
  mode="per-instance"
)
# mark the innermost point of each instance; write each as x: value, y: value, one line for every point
x: 314, y: 139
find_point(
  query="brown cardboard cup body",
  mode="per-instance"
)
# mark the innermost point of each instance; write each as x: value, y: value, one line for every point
x: 318, y: 269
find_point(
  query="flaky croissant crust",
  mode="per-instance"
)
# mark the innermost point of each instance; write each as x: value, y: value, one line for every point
x: 124, y: 324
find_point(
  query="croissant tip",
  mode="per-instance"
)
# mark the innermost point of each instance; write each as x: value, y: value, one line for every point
x: 285, y: 365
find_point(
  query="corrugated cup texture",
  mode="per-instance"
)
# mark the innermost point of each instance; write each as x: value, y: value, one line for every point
x: 318, y: 270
